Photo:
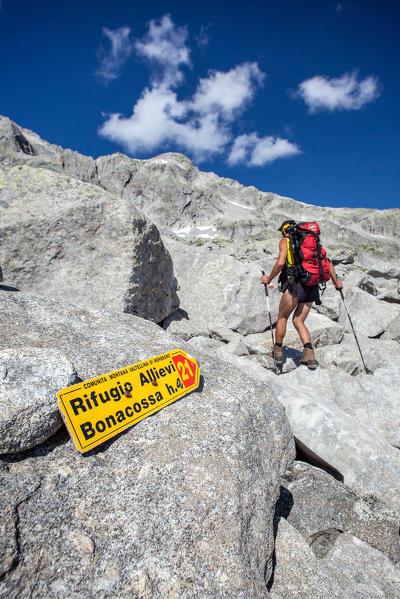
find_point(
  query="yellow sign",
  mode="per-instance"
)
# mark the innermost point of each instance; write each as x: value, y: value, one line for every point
x: 97, y: 409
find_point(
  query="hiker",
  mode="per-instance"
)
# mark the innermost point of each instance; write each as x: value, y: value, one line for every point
x: 296, y: 297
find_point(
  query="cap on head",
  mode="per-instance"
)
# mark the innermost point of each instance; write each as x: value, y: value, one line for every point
x: 286, y: 224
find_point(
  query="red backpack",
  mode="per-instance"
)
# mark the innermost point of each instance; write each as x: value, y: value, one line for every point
x: 311, y: 264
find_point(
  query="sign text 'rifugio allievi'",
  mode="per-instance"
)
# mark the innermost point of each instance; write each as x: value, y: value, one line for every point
x: 99, y: 408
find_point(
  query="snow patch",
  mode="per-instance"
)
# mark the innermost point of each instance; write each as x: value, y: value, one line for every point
x: 240, y: 205
x: 198, y: 231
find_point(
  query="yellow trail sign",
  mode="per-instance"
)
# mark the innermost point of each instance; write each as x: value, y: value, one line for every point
x: 99, y: 408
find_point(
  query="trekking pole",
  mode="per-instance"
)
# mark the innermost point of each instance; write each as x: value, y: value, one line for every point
x: 354, y: 333
x: 270, y: 322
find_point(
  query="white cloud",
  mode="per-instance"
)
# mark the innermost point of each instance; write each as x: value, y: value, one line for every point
x: 165, y: 45
x: 112, y: 61
x: 341, y: 93
x: 256, y: 151
x: 149, y: 125
x: 228, y: 92
x: 201, y: 125
x: 159, y: 118
x: 339, y: 9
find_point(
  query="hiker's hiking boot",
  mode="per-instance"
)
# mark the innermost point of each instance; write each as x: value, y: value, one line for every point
x: 308, y: 359
x: 278, y: 353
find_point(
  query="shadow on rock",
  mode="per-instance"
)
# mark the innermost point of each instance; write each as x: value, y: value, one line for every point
x: 283, y: 508
x: 305, y: 454
x: 292, y: 354
x: 61, y: 437
x: 178, y: 315
x: 201, y: 385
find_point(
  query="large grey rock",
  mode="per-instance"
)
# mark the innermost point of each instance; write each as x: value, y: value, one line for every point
x: 206, y: 344
x: 315, y: 404
x: 356, y: 277
x: 393, y: 297
x: 217, y: 289
x: 393, y: 330
x: 330, y: 297
x: 342, y: 356
x: 180, y: 505
x: 259, y: 343
x: 237, y: 346
x: 222, y: 333
x: 387, y: 272
x: 363, y: 570
x: 321, y: 508
x: 343, y: 255
x: 179, y: 324
x: 370, y: 317
x: 330, y: 303
x: 115, y: 171
x: 70, y: 239
x: 352, y: 569
x: 298, y: 573
x: 233, y: 342
x: 21, y: 146
x: 323, y: 331
x: 365, y: 399
x: 29, y: 381
x: 377, y: 354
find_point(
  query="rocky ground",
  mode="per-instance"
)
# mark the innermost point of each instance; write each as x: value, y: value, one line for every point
x: 107, y: 262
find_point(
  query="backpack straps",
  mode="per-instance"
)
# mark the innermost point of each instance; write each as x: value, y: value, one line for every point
x: 293, y: 244
x: 290, y: 258
x: 318, y: 248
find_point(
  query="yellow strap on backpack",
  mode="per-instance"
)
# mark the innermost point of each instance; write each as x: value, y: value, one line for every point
x: 289, y: 257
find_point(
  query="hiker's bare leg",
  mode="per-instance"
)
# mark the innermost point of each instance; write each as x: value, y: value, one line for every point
x: 299, y: 316
x: 286, y: 307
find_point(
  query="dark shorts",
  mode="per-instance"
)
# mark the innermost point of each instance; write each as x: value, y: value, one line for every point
x: 304, y: 293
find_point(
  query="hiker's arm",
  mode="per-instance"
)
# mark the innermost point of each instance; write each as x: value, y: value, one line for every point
x: 333, y: 275
x: 279, y: 264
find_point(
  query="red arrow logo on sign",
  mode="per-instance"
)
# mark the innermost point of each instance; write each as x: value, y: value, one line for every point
x: 186, y: 369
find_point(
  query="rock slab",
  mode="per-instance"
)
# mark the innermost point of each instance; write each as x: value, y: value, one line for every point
x: 73, y: 240
x: 29, y: 381
x: 180, y: 505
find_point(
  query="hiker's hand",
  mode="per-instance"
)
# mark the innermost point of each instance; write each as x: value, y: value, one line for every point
x: 338, y: 285
x: 265, y: 280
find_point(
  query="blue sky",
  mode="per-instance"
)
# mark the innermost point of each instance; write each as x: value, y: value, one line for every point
x: 299, y: 97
